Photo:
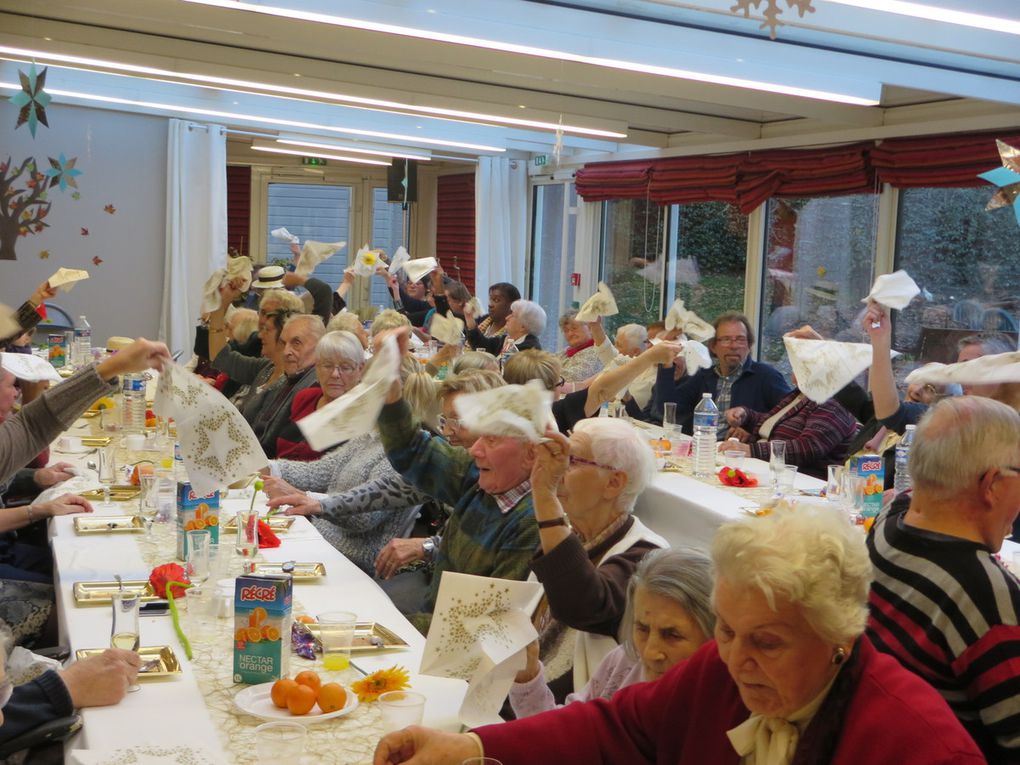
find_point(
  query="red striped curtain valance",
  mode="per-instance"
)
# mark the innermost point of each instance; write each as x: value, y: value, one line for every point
x: 749, y: 178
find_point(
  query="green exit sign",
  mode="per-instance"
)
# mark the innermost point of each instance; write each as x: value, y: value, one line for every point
x: 541, y: 159
x: 314, y: 161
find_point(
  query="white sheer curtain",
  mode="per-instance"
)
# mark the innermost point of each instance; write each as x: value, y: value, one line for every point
x: 501, y: 223
x: 587, y: 241
x: 196, y: 225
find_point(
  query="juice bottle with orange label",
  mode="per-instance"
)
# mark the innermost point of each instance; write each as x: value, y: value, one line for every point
x: 262, y: 617
x: 194, y: 513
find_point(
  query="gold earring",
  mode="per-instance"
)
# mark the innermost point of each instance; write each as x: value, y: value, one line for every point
x: 839, y: 656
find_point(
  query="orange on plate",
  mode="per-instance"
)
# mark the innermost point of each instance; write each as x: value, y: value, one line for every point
x: 309, y: 678
x: 306, y: 619
x: 300, y: 700
x: 281, y: 689
x: 332, y: 697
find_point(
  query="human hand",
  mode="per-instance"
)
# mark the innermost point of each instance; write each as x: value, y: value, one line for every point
x: 230, y: 291
x: 738, y: 434
x: 402, y: 335
x: 102, y: 680
x: 142, y: 354
x: 552, y: 457
x: 416, y: 745
x: 298, y: 504
x: 42, y: 293
x: 734, y: 446
x: 277, y: 487
x: 348, y: 277
x: 736, y: 416
x: 54, y: 474
x: 398, y: 553
x: 664, y: 353
x: 295, y: 250
x: 531, y: 669
x: 68, y: 504
x: 875, y: 322
x: 291, y: 279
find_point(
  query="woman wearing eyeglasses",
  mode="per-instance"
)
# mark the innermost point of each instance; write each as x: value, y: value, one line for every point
x: 584, y: 489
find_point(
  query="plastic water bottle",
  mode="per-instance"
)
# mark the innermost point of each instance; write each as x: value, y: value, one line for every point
x: 133, y: 405
x: 901, y: 482
x: 706, y: 421
x: 82, y: 351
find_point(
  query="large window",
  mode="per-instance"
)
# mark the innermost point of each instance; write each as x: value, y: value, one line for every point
x: 554, y: 227
x: 708, y: 258
x: 318, y: 212
x: 633, y: 259
x: 967, y: 262
x: 819, y: 261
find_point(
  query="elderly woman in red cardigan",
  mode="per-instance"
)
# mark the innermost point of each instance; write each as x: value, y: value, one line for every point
x: 790, y: 678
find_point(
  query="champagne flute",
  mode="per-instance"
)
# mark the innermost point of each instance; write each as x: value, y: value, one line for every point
x: 124, y: 628
x: 107, y: 472
x: 148, y: 502
x: 777, y: 459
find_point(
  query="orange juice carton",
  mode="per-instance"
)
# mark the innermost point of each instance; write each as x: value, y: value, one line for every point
x: 262, y: 606
x: 871, y: 469
x: 195, y: 513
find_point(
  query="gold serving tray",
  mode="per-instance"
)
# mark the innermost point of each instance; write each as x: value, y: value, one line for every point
x: 108, y: 524
x: 90, y: 414
x: 93, y: 441
x: 121, y: 492
x: 368, y: 636
x: 301, y: 570
x: 277, y: 523
x: 99, y: 593
x: 168, y: 662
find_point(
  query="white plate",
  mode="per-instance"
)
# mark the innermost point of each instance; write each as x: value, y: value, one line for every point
x: 256, y: 701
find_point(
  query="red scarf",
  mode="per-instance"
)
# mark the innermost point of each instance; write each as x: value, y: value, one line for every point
x: 571, y: 350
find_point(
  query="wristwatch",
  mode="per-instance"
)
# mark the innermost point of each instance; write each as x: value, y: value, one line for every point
x: 428, y: 546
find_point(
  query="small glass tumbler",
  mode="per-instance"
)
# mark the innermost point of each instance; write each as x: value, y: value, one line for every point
x: 280, y: 743
x: 247, y: 545
x: 199, y: 543
x: 399, y: 709
x: 787, y: 477
x: 336, y: 633
x: 834, y: 485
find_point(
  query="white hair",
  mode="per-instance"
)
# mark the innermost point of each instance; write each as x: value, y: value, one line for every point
x: 280, y: 297
x: 617, y: 444
x: 345, y: 321
x: 810, y: 556
x: 315, y: 326
x: 389, y: 319
x: 530, y: 314
x: 340, y: 345
x: 959, y: 440
x: 634, y: 334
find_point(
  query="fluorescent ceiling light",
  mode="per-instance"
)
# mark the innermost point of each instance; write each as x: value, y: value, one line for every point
x: 934, y: 13
x: 261, y: 120
x: 529, y: 50
x: 305, y: 94
x: 294, y: 152
x: 381, y: 151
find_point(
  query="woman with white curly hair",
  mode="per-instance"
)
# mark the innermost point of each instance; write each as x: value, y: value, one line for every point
x: 790, y: 677
x: 523, y: 326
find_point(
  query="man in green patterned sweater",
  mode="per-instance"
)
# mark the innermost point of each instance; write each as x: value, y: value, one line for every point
x: 492, y: 530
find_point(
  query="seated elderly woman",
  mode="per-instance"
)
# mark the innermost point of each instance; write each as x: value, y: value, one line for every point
x: 523, y: 325
x: 340, y: 360
x: 668, y: 617
x: 570, y: 409
x: 351, y: 494
x: 475, y: 360
x: 584, y: 491
x: 789, y: 678
x: 580, y: 359
x: 345, y: 321
x: 816, y: 435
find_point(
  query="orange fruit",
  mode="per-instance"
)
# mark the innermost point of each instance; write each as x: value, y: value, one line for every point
x: 309, y: 678
x: 300, y: 700
x: 332, y: 697
x: 306, y: 619
x: 281, y: 689
x: 254, y: 634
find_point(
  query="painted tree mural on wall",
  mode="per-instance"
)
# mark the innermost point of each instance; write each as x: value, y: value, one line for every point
x: 24, y: 203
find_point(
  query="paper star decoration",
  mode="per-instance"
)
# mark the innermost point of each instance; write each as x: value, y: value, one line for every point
x: 1007, y: 178
x: 62, y: 172
x: 32, y: 100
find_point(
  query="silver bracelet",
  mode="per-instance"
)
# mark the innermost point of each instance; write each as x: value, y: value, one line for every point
x: 31, y: 519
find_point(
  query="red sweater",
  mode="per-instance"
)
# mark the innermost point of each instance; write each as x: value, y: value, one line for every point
x: 892, y: 718
x: 291, y: 444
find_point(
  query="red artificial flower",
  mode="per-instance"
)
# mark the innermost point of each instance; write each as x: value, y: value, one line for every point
x: 267, y: 538
x: 168, y: 572
x: 735, y: 477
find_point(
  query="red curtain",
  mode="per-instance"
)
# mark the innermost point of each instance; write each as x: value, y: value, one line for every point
x: 455, y: 226
x: 748, y: 179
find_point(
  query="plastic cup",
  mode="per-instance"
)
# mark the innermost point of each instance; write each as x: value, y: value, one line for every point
x: 336, y: 633
x: 834, y: 486
x: 787, y: 477
x: 734, y: 459
x: 399, y: 709
x: 280, y: 743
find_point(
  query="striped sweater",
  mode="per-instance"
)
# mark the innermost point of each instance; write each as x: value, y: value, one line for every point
x: 948, y: 610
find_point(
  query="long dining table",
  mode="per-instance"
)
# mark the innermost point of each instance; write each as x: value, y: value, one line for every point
x: 194, y: 709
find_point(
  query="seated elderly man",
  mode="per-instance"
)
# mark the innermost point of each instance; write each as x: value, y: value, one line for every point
x: 734, y: 380
x: 941, y: 602
x: 491, y: 530
x: 631, y: 341
x: 299, y: 338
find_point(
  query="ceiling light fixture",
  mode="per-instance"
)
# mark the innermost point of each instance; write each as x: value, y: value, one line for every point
x: 324, y: 155
x: 381, y: 151
x: 934, y: 13
x: 284, y: 91
x: 262, y: 120
x: 529, y: 50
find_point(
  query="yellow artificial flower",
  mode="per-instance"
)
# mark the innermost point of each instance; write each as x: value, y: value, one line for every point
x: 371, y: 257
x: 393, y: 679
